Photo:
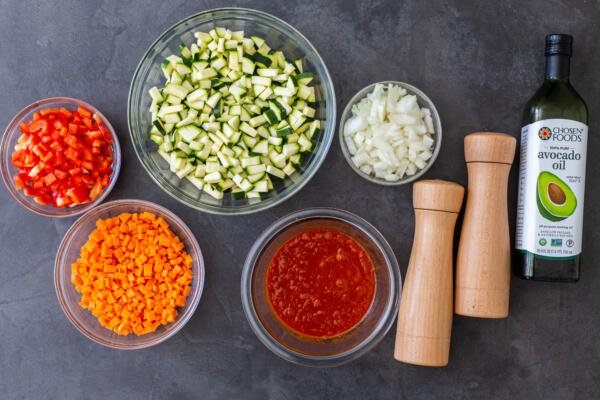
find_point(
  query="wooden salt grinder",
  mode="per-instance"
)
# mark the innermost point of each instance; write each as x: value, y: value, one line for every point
x: 425, y: 315
x: 483, y: 261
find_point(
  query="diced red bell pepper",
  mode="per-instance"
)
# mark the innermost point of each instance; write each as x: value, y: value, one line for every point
x: 72, y: 154
x: 49, y: 179
x: 84, y: 113
x: 43, y: 199
x: 39, y: 125
x: 79, y: 193
x: 87, y: 165
x: 18, y: 182
x: 96, y: 190
x: 23, y: 127
x: 64, y: 158
x: 60, y: 174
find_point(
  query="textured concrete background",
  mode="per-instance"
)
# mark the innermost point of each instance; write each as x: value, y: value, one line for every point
x: 478, y: 61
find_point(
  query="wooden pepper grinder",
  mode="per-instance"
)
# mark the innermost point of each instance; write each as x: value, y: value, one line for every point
x: 425, y: 315
x: 483, y: 261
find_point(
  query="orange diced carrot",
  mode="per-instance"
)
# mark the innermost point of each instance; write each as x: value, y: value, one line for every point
x: 133, y: 272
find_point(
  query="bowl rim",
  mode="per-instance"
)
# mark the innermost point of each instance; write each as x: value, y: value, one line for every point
x: 59, y: 262
x: 13, y: 127
x: 306, y: 175
x: 387, y: 319
x: 436, y: 122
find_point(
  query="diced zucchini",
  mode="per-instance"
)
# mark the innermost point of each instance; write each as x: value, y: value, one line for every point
x: 284, y: 131
x: 258, y: 120
x: 156, y: 95
x: 212, y: 191
x: 289, y: 169
x: 261, y: 186
x: 275, y: 172
x: 261, y: 147
x: 189, y: 132
x: 232, y: 114
x: 304, y: 78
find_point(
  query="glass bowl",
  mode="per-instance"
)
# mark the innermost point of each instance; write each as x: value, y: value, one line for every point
x: 423, y: 101
x: 69, y: 298
x: 348, y: 346
x: 12, y: 134
x: 279, y: 35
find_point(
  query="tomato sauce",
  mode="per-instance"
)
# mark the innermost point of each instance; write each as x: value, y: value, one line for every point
x: 321, y: 283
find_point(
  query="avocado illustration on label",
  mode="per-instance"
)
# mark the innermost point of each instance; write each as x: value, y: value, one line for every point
x: 555, y: 199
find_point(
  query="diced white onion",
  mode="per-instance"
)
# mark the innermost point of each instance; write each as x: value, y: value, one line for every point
x: 351, y: 146
x: 366, y: 169
x: 389, y: 135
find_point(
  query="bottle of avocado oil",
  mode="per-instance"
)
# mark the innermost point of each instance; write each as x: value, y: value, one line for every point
x: 552, y: 173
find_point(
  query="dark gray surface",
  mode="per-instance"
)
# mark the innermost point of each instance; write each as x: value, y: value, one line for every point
x: 478, y: 62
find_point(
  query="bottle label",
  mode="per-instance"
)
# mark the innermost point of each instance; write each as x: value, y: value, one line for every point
x: 551, y: 188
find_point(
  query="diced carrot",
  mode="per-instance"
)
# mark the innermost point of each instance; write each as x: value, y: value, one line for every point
x: 133, y: 273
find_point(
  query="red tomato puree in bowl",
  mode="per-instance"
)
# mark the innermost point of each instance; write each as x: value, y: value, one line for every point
x: 321, y: 283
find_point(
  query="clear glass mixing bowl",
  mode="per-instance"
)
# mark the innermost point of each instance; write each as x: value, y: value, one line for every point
x: 279, y: 35
x: 423, y: 101
x: 12, y: 134
x: 69, y: 297
x: 348, y: 346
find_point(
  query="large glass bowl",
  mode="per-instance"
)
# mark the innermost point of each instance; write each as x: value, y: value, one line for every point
x: 279, y: 35
x: 423, y: 101
x: 69, y: 297
x: 12, y: 134
x: 348, y: 346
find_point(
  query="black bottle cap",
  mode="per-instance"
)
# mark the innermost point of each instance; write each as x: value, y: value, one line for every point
x: 558, y: 43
